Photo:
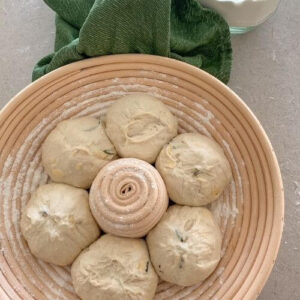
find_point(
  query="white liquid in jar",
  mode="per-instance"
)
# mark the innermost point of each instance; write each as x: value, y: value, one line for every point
x: 243, y: 13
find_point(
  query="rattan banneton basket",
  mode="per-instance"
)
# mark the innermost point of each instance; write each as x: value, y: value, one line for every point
x: 250, y: 211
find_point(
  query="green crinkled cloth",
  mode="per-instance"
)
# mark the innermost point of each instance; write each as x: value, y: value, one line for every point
x: 180, y: 29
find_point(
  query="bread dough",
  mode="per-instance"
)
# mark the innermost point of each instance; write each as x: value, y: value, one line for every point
x: 76, y: 150
x: 57, y: 223
x: 185, y: 246
x: 128, y: 197
x: 114, y: 268
x: 139, y: 125
x: 194, y: 168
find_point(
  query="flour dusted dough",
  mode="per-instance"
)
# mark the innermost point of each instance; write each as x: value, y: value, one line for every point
x: 139, y: 125
x: 57, y: 223
x: 76, y: 150
x: 185, y: 246
x: 114, y: 268
x: 194, y: 168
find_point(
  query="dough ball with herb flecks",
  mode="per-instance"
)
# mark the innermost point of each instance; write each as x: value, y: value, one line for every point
x: 185, y: 246
x: 114, y: 268
x: 76, y: 150
x: 139, y: 126
x: 57, y: 223
x: 194, y: 169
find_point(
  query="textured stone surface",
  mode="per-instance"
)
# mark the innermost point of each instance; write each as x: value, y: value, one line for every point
x: 266, y: 74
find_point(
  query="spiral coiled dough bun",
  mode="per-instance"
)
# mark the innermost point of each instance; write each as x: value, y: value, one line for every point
x: 128, y: 197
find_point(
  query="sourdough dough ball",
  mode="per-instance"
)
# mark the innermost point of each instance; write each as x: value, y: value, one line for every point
x: 57, y: 223
x: 139, y: 125
x: 114, y: 268
x: 185, y: 246
x: 76, y: 150
x: 194, y: 168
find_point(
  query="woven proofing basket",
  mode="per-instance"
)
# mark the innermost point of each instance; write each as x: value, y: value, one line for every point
x: 250, y: 212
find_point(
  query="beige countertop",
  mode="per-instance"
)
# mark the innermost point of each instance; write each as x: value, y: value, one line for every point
x: 265, y: 73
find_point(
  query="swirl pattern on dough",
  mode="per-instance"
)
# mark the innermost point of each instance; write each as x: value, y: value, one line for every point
x: 128, y: 197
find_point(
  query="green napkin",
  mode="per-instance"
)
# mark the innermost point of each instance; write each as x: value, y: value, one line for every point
x: 180, y: 29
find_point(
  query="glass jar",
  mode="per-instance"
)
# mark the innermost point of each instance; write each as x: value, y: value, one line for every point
x: 243, y: 15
